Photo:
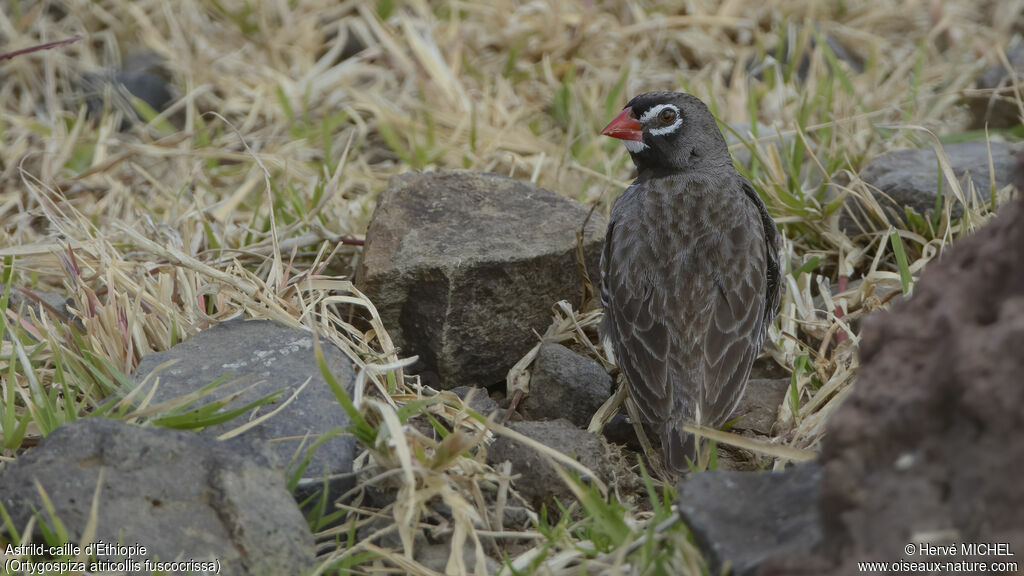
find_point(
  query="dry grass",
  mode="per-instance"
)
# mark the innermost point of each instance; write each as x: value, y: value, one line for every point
x: 244, y: 197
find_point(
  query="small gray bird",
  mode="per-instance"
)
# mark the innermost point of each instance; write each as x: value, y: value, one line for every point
x: 690, y: 270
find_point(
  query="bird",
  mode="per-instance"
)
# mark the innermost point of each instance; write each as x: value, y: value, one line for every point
x: 689, y: 271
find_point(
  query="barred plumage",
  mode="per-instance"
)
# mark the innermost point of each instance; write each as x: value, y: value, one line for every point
x: 690, y: 273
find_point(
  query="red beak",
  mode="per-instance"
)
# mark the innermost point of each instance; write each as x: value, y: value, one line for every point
x: 625, y: 126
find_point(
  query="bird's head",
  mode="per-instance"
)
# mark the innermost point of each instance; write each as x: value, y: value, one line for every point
x: 669, y: 132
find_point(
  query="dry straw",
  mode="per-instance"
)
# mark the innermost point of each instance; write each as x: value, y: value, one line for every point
x: 248, y: 197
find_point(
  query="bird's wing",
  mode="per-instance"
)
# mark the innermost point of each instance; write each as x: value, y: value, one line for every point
x: 745, y: 298
x: 634, y: 321
x: 773, y: 288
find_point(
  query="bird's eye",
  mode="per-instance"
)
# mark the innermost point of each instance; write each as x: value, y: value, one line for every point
x: 667, y: 116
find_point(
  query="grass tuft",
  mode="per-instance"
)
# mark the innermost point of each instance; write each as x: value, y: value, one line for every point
x: 249, y: 197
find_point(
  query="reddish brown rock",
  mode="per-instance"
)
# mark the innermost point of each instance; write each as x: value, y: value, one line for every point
x: 930, y: 446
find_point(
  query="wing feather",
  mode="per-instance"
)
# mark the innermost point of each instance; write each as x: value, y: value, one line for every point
x: 686, y: 335
x: 634, y: 322
x: 744, y: 307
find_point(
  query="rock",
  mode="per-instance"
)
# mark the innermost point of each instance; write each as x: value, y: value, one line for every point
x: 388, y: 536
x: 566, y: 385
x: 270, y: 357
x: 744, y: 519
x: 344, y: 41
x: 180, y: 495
x: 757, y: 67
x: 766, y: 136
x: 481, y: 401
x: 767, y: 368
x: 436, y: 556
x: 928, y: 446
x: 910, y: 178
x: 619, y: 430
x: 25, y: 299
x: 538, y: 482
x: 998, y: 110
x: 144, y: 76
x: 147, y: 78
x: 464, y: 267
x: 760, y: 404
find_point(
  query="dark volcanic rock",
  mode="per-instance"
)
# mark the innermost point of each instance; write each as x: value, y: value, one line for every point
x: 760, y: 404
x: 181, y: 495
x: 767, y: 368
x: 538, y: 482
x: 1000, y: 109
x: 930, y: 443
x: 269, y: 357
x: 911, y: 178
x: 756, y: 67
x: 619, y: 430
x: 464, y: 268
x: 741, y: 135
x: 480, y: 401
x: 27, y: 301
x: 436, y: 557
x: 144, y: 76
x: 565, y: 385
x: 744, y: 519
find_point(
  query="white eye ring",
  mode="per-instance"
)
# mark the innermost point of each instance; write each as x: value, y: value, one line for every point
x: 655, y: 111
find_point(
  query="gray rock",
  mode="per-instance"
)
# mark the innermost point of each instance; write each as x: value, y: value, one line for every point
x: 756, y: 67
x: 538, y: 482
x: 180, y: 495
x: 20, y: 301
x: 744, y: 519
x: 271, y: 357
x: 353, y: 39
x: 767, y: 368
x: 464, y: 268
x: 384, y: 533
x: 998, y: 110
x: 619, y: 430
x: 760, y: 404
x: 911, y: 178
x: 566, y: 385
x: 144, y: 76
x: 435, y: 557
x: 481, y: 401
x: 766, y: 135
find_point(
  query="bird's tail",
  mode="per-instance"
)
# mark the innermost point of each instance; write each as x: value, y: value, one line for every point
x: 680, y: 449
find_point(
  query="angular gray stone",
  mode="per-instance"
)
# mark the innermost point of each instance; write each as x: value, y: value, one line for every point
x: 766, y: 135
x: 435, y: 557
x: 464, y: 268
x: 566, y: 385
x: 745, y: 519
x: 273, y: 357
x: 538, y: 482
x: 766, y: 367
x: 179, y: 494
x: 911, y: 178
x: 20, y: 301
x: 1001, y: 110
x: 481, y: 401
x: 760, y: 404
x: 619, y: 430
x: 756, y: 67
x: 144, y: 76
